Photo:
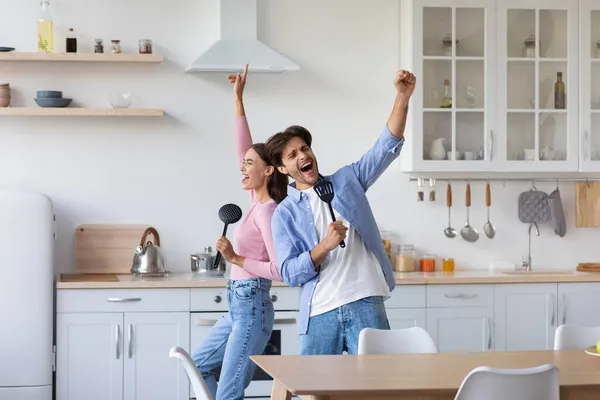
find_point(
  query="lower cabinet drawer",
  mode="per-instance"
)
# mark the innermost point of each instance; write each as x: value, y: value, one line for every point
x: 460, y: 295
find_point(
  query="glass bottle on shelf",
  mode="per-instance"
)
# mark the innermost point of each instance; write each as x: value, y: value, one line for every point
x: 559, y: 93
x: 99, y: 46
x: 529, y: 47
x: 71, y: 42
x: 446, y: 101
x: 45, y: 29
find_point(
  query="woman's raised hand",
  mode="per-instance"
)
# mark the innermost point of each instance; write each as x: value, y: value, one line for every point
x: 239, y: 82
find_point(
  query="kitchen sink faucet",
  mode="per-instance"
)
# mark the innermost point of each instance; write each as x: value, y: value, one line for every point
x: 527, y: 262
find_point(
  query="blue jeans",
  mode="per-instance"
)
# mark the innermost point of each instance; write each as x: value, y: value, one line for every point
x: 337, y: 330
x: 242, y: 332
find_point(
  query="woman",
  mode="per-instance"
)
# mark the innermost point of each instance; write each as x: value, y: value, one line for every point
x: 246, y: 328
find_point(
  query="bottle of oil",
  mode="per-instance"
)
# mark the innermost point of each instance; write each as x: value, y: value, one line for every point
x: 446, y: 101
x: 559, y: 93
x: 45, y: 29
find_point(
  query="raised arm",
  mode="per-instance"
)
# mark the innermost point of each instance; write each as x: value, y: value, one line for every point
x: 387, y: 148
x: 243, y: 138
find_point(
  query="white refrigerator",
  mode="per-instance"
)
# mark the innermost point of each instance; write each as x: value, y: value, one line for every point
x: 26, y: 295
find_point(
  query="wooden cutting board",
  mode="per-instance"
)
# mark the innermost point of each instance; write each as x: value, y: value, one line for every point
x: 588, y: 267
x: 587, y: 200
x: 106, y: 248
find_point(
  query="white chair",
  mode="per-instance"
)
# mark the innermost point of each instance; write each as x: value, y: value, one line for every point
x: 200, y: 389
x: 537, y: 383
x: 576, y: 337
x: 397, y: 341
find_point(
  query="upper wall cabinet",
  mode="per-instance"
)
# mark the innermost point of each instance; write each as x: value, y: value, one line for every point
x: 498, y: 85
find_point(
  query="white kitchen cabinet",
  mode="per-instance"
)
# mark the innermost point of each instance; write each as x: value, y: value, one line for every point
x: 457, y: 329
x: 89, y: 362
x: 590, y: 91
x: 114, y: 344
x: 503, y: 116
x: 579, y: 304
x: 148, y: 370
x: 525, y: 316
x: 402, y: 318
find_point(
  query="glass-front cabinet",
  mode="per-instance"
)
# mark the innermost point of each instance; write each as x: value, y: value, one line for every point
x: 537, y: 84
x: 590, y: 93
x: 497, y: 85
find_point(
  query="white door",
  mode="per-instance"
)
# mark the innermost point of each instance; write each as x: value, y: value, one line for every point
x: 149, y: 373
x: 402, y: 318
x: 537, y: 41
x: 579, y: 304
x: 461, y: 328
x: 590, y: 86
x: 89, y: 362
x: 526, y: 316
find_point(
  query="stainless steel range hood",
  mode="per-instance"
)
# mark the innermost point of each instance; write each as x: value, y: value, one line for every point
x: 238, y: 44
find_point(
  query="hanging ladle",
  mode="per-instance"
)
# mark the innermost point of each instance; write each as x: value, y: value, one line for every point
x: 488, y: 228
x: 449, y: 231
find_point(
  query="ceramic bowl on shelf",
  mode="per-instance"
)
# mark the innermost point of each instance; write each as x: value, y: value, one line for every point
x: 49, y: 94
x: 53, y: 102
x: 4, y: 101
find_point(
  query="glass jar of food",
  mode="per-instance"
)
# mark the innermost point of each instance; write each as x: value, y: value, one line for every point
x: 529, y: 47
x: 115, y: 46
x: 448, y: 265
x: 428, y: 263
x: 405, y: 259
x: 99, y: 47
x: 145, y: 46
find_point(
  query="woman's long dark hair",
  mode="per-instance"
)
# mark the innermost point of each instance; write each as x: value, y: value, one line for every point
x: 278, y: 183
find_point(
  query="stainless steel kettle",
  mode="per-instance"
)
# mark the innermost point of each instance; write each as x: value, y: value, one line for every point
x: 147, y: 259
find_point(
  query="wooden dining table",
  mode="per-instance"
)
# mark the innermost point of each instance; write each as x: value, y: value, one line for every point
x: 417, y: 376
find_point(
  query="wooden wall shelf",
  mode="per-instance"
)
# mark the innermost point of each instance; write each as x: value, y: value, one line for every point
x: 82, y: 57
x: 80, y: 112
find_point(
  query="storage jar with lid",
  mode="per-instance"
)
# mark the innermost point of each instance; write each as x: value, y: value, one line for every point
x: 428, y: 263
x: 405, y: 259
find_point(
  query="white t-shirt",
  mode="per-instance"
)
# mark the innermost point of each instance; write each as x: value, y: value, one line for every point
x: 347, y: 274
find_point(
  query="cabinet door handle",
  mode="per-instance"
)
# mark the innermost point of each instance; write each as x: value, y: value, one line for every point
x: 118, y: 340
x: 586, y: 147
x: 205, y: 322
x: 282, y: 321
x: 489, y: 333
x: 552, y: 298
x: 460, y: 296
x: 491, y: 144
x: 130, y: 341
x: 564, y: 301
x: 123, y: 300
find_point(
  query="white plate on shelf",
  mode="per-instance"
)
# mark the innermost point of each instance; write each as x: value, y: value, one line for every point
x: 592, y: 351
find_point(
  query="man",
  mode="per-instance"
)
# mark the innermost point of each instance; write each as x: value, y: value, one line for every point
x: 343, y: 289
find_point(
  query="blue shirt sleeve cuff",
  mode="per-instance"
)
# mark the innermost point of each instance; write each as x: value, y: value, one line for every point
x: 391, y: 142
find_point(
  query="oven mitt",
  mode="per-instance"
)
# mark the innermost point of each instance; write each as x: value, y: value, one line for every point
x: 557, y: 214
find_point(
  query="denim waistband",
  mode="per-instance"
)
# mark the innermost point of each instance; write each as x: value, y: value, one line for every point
x: 258, y: 283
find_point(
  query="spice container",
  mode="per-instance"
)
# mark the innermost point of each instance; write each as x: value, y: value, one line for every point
x: 428, y: 263
x: 99, y: 47
x: 420, y: 190
x: 448, y: 265
x: 405, y: 259
x: 115, y: 46
x: 145, y: 46
x: 431, y: 189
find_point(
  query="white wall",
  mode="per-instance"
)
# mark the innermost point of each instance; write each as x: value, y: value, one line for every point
x: 175, y: 173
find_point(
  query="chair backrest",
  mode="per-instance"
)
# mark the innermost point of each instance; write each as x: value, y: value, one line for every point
x: 576, y: 337
x: 397, y: 341
x: 200, y: 389
x: 537, y: 383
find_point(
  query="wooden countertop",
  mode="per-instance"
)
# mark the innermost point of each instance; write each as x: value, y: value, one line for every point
x: 187, y: 280
x: 408, y: 375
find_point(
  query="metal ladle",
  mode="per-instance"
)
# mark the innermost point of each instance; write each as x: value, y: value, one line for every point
x: 469, y: 233
x: 449, y: 231
x: 488, y: 228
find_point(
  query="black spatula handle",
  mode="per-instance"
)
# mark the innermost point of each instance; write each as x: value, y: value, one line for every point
x: 218, y: 257
x: 342, y: 244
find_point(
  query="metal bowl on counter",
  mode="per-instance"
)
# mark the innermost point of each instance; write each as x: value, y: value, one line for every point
x: 203, y: 263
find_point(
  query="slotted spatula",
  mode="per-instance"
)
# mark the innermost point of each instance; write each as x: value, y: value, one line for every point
x: 324, y: 190
x: 229, y: 214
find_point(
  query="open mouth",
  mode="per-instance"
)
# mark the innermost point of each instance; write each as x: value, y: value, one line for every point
x: 307, y: 167
x: 245, y: 178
